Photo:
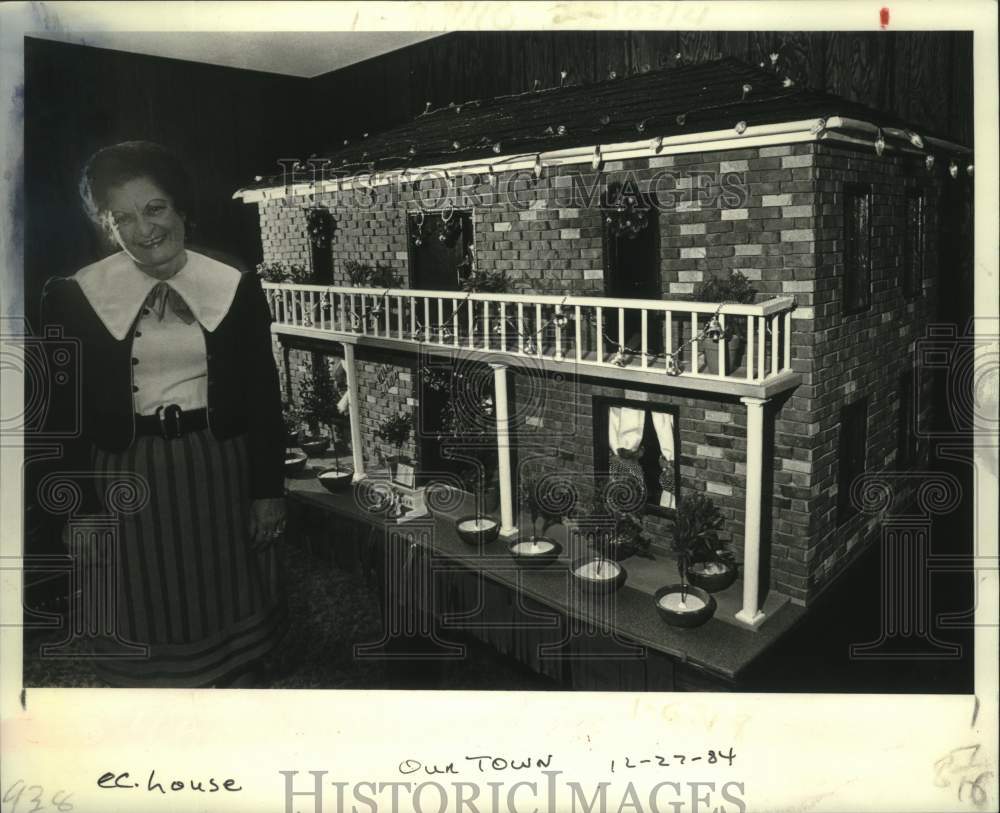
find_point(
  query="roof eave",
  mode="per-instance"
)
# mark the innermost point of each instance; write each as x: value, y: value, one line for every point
x: 835, y: 128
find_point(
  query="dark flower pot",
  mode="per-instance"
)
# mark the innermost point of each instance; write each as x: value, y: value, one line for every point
x: 700, y: 605
x: 487, y: 531
x: 591, y: 577
x: 537, y: 551
x: 735, y: 348
x: 335, y: 480
x: 712, y: 582
x: 292, y: 438
x: 315, y: 447
x: 295, y: 462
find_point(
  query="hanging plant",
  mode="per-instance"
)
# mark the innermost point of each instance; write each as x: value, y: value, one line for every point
x: 626, y: 215
x: 319, y: 226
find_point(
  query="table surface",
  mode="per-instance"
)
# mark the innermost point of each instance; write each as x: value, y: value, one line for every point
x: 721, y: 646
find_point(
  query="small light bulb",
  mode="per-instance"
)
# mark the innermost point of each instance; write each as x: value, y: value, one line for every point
x: 953, y: 169
x: 915, y: 139
x: 787, y: 82
x: 681, y: 119
x: 741, y: 127
x: 538, y: 166
x: 818, y: 127
x: 929, y: 162
x: 969, y: 170
x: 747, y: 87
x: 497, y: 147
x: 879, y: 144
x: 597, y: 159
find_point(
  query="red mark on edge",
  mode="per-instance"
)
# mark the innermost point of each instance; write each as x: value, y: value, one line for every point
x: 883, y: 18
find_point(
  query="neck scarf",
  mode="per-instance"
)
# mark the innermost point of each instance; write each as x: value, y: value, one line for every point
x: 162, y: 297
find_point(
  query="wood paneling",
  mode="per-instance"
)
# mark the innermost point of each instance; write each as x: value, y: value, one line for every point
x: 926, y: 76
x: 234, y: 124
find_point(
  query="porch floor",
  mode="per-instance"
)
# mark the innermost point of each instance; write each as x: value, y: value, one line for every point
x: 722, y: 646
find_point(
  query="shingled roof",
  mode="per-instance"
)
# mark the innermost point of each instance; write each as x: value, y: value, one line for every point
x: 685, y: 100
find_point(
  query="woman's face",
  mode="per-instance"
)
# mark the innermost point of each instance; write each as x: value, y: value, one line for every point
x: 146, y: 225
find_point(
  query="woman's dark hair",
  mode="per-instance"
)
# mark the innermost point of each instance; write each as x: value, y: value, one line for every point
x: 119, y: 163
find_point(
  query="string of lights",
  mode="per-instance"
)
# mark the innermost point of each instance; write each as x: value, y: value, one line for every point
x: 532, y: 340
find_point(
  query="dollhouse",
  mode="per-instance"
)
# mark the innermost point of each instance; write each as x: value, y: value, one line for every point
x: 707, y: 277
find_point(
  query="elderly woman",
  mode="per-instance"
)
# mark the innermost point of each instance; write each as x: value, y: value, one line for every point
x: 180, y: 389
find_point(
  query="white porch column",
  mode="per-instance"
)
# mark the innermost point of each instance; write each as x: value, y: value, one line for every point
x: 751, y: 613
x: 507, y: 527
x: 354, y: 410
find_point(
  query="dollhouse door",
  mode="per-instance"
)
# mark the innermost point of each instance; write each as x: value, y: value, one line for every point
x: 632, y: 271
x: 438, y: 249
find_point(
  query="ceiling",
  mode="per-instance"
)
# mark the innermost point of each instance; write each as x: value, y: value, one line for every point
x: 293, y: 53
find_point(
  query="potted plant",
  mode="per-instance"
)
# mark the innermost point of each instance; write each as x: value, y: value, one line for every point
x: 735, y: 288
x: 696, y: 529
x: 319, y: 396
x: 335, y: 478
x: 478, y: 529
x: 709, y: 564
x: 364, y: 275
x: 538, y: 549
x: 395, y: 431
x: 292, y: 418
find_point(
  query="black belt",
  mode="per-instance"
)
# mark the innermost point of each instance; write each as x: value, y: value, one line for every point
x: 171, y: 421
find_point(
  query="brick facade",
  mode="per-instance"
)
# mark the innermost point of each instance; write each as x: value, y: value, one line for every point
x: 775, y: 214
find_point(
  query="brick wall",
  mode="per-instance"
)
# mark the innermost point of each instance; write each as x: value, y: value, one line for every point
x: 862, y: 354
x: 774, y: 213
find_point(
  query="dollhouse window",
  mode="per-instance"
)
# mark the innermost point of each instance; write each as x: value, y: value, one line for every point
x: 439, y: 244
x: 631, y: 439
x: 913, y: 244
x: 906, y: 436
x: 857, y: 247
x: 853, y: 450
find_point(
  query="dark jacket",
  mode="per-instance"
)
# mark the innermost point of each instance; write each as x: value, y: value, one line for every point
x: 243, y: 391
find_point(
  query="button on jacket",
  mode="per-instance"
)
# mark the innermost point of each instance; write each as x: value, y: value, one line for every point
x: 101, y: 307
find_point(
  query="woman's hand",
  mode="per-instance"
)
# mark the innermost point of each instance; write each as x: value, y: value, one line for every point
x: 267, y: 521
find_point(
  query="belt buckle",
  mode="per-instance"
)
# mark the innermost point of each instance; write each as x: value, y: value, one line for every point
x: 170, y: 421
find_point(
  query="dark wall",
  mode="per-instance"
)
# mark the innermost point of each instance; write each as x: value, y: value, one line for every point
x: 922, y: 76
x: 234, y: 124
x: 226, y: 122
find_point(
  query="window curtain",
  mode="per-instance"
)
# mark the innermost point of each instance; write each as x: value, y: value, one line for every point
x: 663, y: 423
x: 625, y: 428
x: 340, y: 379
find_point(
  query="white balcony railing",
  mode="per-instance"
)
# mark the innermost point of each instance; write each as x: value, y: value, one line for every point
x: 731, y: 342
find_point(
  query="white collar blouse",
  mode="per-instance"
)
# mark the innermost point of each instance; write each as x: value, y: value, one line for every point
x: 168, y: 355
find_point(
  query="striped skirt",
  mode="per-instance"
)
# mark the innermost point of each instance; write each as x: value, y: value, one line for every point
x: 190, y: 587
